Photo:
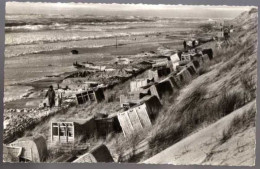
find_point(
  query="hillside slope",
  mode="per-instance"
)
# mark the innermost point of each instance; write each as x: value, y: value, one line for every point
x: 224, y: 89
x: 206, y: 147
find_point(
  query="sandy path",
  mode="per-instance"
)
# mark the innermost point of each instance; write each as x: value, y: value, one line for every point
x: 194, y: 149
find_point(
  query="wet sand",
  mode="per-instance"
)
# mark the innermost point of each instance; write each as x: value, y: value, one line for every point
x: 36, y: 67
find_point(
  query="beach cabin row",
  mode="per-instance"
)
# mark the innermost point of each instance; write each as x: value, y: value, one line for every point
x: 71, y: 130
x: 137, y: 115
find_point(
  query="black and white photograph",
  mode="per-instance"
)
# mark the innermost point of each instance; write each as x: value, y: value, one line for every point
x: 130, y: 83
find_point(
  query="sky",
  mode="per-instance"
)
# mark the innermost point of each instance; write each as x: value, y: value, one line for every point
x: 145, y: 10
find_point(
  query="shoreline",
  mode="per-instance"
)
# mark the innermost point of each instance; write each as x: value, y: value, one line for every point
x: 42, y: 83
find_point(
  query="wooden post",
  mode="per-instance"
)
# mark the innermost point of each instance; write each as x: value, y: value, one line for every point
x: 59, y: 131
x: 66, y: 133
x: 95, y: 96
x: 51, y: 132
x: 88, y: 96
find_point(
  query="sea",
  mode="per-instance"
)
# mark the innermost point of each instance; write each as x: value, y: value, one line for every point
x: 35, y: 43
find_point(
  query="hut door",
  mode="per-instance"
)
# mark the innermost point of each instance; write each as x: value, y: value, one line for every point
x: 63, y: 133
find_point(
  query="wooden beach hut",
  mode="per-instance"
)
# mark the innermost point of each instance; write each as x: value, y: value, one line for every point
x: 153, y: 105
x: 190, y: 67
x: 137, y: 84
x: 69, y: 130
x: 157, y: 73
x: 134, y: 120
x: 175, y: 59
x: 161, y: 88
x: 205, y: 58
x: 90, y: 95
x: 11, y: 154
x: 184, y: 76
x: 107, y: 125
x: 131, y: 99
x: 34, y: 149
x: 209, y: 52
x: 99, y: 153
x: 175, y: 84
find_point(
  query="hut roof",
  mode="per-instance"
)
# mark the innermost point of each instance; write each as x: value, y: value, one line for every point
x: 78, y: 121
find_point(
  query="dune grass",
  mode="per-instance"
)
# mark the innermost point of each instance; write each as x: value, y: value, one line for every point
x: 239, y: 123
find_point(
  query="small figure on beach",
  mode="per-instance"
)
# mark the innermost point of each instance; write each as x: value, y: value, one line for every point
x: 51, y: 96
x: 184, y: 45
x: 193, y: 43
x: 59, y: 99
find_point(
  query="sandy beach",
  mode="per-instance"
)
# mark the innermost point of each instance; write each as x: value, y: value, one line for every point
x: 35, y: 63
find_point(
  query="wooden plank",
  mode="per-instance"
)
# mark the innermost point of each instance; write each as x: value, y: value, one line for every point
x: 134, y: 119
x: 124, y: 123
x: 143, y: 115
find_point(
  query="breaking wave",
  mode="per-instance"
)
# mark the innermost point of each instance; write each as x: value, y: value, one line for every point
x: 50, y: 39
x: 35, y: 27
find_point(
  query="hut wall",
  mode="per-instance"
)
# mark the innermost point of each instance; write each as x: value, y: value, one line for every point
x: 190, y: 67
x: 175, y: 65
x: 107, y: 125
x: 133, y: 98
x: 177, y: 80
x: 174, y: 82
x: 90, y: 96
x: 99, y: 95
x: 88, y: 129
x: 163, y: 72
x: 205, y: 58
x: 161, y: 89
x: 153, y: 74
x: 67, y: 132
x: 209, y: 52
x: 162, y: 63
x: 154, y: 91
x: 63, y: 132
x: 138, y: 84
x: 158, y: 73
x: 102, y: 154
x: 134, y: 120
x: 174, y: 58
x: 184, y: 76
x: 153, y: 106
x: 186, y: 57
x: 124, y: 101
x: 164, y: 87
x: 125, y: 124
x: 196, y: 64
x: 11, y: 154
